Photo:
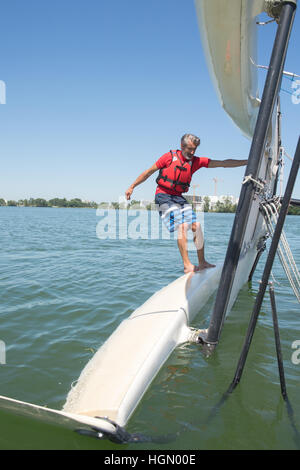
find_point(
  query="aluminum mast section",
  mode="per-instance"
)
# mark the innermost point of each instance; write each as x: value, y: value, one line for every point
x: 270, y: 94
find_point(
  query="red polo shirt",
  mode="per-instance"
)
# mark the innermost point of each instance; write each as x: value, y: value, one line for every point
x: 166, y: 159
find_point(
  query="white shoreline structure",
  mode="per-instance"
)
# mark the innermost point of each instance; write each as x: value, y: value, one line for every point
x: 199, y: 201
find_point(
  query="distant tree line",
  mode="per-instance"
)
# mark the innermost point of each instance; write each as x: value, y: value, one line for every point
x: 55, y: 202
x: 219, y: 206
x: 294, y: 210
x: 225, y: 206
x: 228, y: 206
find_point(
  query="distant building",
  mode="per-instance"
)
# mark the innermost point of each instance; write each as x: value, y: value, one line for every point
x: 215, y: 199
x: 199, y: 201
x: 145, y: 203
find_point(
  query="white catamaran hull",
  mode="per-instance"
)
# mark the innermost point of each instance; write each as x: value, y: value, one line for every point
x: 118, y: 375
x: 115, y: 379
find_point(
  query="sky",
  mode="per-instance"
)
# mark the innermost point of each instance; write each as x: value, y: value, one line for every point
x: 97, y: 91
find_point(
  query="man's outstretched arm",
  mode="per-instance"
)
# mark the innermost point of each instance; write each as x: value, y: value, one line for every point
x: 229, y: 163
x: 140, y: 179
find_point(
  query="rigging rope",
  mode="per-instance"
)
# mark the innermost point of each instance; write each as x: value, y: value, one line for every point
x: 284, y: 252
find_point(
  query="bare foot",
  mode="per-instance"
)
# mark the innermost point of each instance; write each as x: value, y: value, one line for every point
x: 190, y: 268
x: 205, y: 265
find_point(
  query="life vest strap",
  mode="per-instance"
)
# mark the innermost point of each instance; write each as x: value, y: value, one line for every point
x: 175, y: 182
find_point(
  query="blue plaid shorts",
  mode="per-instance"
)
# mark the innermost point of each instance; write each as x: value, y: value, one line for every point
x: 174, y: 210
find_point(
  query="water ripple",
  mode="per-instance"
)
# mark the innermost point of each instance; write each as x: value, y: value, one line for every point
x: 64, y: 291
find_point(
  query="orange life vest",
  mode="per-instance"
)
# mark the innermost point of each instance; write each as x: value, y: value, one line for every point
x: 177, y: 175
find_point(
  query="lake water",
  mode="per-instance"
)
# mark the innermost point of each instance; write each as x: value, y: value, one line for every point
x: 64, y: 290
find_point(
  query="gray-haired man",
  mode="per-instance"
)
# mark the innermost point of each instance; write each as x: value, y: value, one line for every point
x: 176, y: 168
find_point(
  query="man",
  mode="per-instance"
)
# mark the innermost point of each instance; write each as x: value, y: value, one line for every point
x: 175, y: 173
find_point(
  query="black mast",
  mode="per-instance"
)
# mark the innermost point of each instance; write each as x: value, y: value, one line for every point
x: 269, y: 263
x: 270, y: 93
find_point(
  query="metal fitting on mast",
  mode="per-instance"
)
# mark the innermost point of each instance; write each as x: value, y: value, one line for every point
x: 273, y: 7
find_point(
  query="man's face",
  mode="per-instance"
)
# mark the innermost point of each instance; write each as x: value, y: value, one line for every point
x: 188, y: 149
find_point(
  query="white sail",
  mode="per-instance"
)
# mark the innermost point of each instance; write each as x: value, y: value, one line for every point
x: 229, y: 39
